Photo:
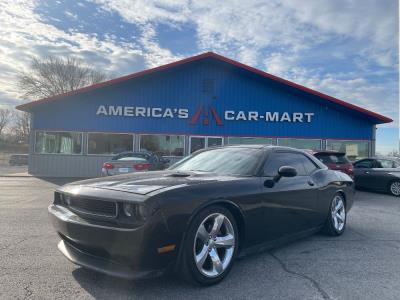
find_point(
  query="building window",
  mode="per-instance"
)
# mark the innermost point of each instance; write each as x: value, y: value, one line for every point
x: 353, y: 149
x: 201, y: 142
x: 109, y: 143
x: 60, y: 142
x: 166, y: 145
x: 249, y: 141
x: 300, y: 143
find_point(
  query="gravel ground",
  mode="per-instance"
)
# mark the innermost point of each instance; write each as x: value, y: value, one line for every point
x: 364, y: 263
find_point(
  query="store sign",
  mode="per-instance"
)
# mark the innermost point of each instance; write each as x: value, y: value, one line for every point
x: 204, y: 114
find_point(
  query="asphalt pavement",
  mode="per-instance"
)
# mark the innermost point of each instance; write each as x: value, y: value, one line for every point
x: 363, y: 263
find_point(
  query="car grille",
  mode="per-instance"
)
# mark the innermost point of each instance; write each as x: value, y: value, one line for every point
x: 93, y: 207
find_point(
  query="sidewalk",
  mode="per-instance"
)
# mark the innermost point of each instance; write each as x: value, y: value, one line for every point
x: 14, y: 171
x: 22, y: 174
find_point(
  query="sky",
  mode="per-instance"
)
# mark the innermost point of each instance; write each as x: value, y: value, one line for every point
x: 344, y: 48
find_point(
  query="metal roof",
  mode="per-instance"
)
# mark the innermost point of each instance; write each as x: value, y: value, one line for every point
x: 376, y: 117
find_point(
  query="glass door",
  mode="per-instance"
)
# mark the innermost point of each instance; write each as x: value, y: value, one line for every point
x: 214, y: 141
x: 197, y: 143
x: 201, y: 142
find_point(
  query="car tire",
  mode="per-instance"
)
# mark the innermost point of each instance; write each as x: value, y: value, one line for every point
x: 336, y: 221
x: 210, y: 246
x: 394, y: 188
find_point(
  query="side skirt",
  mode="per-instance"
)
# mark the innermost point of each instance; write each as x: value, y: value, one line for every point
x: 262, y: 247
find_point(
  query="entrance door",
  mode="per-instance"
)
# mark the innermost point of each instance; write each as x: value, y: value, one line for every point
x: 201, y: 142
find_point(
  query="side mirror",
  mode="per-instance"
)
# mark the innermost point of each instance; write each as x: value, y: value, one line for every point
x: 284, y: 171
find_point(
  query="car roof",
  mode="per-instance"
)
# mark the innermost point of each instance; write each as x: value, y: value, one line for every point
x: 327, y: 152
x: 385, y: 157
x: 262, y: 146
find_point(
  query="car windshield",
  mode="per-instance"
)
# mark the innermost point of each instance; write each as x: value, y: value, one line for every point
x: 229, y: 161
x: 332, y: 158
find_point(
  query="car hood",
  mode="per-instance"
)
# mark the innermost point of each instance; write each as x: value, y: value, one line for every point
x: 146, y: 182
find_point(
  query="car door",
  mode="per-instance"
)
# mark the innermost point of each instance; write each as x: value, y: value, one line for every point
x: 290, y: 204
x: 381, y: 174
x: 362, y: 172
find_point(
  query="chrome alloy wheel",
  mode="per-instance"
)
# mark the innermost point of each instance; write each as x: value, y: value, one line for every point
x: 338, y: 212
x: 395, y: 188
x: 214, y: 245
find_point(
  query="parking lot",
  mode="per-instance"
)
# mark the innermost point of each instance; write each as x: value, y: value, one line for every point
x: 364, y: 263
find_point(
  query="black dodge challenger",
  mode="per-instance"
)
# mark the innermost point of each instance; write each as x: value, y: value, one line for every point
x: 201, y: 213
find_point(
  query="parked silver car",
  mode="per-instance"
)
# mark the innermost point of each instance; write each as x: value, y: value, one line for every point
x: 130, y: 162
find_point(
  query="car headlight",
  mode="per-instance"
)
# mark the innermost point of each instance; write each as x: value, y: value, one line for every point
x: 67, y: 200
x: 128, y: 209
x: 134, y: 211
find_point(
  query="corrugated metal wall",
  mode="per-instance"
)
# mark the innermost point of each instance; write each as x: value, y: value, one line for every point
x: 183, y: 87
x: 205, y: 83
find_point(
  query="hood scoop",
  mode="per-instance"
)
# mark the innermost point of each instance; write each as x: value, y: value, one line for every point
x: 179, y: 174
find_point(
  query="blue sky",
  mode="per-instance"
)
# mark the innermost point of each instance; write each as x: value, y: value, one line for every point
x: 347, y: 49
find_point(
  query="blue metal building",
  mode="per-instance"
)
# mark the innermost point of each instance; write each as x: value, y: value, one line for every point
x: 184, y: 106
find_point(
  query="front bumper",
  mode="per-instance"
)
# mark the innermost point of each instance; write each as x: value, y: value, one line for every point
x: 101, y: 265
x: 129, y: 253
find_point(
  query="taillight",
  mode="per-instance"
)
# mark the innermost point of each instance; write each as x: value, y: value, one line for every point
x: 141, y: 167
x: 108, y: 166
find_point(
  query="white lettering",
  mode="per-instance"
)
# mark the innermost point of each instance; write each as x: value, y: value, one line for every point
x: 309, y: 115
x: 101, y: 110
x: 183, y: 113
x: 271, y: 117
x: 115, y: 110
x: 285, y: 117
x: 241, y: 116
x: 156, y: 112
x: 253, y: 115
x: 128, y: 111
x: 297, y: 117
x: 141, y: 111
x: 168, y: 113
x: 229, y: 115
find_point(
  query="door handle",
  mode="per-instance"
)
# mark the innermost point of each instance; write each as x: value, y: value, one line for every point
x: 366, y: 172
x: 311, y: 183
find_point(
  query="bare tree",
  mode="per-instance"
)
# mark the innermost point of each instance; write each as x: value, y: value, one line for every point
x: 5, y: 118
x: 52, y: 76
x: 21, y: 126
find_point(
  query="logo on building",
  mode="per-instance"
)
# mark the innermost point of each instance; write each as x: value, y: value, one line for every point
x: 206, y: 113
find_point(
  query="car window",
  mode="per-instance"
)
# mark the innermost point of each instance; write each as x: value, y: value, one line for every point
x: 362, y: 164
x: 227, y: 161
x: 309, y: 165
x: 332, y: 158
x: 383, y: 163
x: 295, y: 160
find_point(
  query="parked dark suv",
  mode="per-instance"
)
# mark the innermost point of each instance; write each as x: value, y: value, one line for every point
x: 335, y: 160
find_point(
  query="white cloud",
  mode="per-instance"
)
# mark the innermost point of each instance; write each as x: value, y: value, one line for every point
x: 274, y: 34
x: 378, y: 98
x: 289, y: 25
x: 24, y: 35
x: 280, y: 64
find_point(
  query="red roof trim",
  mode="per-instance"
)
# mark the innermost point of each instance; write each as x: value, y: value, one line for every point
x: 382, y: 118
